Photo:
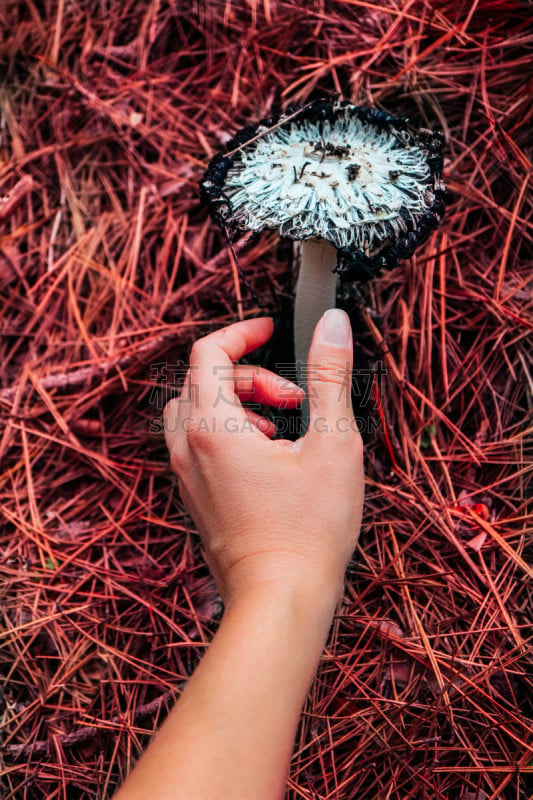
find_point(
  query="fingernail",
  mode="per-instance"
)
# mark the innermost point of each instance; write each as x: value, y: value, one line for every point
x: 335, y: 328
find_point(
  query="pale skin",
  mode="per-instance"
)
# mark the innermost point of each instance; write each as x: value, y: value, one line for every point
x: 279, y: 522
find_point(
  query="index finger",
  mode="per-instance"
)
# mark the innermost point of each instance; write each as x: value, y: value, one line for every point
x: 213, y: 356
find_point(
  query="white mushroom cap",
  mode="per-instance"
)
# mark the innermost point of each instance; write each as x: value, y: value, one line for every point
x: 355, y: 177
x: 339, y: 180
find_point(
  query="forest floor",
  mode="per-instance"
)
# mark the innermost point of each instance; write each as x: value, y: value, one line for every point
x: 110, y: 268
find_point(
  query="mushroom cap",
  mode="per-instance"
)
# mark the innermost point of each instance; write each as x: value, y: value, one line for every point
x: 357, y: 177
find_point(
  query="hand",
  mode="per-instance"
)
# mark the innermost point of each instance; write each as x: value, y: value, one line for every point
x: 271, y: 513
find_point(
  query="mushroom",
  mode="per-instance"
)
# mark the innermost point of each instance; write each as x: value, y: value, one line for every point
x: 355, y: 188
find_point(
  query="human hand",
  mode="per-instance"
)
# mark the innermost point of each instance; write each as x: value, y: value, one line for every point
x: 270, y: 513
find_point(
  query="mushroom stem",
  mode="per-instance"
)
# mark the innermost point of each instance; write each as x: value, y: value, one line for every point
x: 315, y: 293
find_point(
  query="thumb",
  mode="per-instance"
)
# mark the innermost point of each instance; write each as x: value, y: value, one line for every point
x: 329, y: 374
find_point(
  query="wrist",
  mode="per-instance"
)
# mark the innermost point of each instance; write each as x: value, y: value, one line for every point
x: 307, y: 600
x: 285, y: 576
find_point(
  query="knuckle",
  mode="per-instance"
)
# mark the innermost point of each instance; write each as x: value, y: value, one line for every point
x: 244, y: 382
x: 353, y: 434
x: 345, y: 456
x: 197, y: 349
x: 171, y: 408
x: 199, y: 437
x: 234, y: 338
x: 177, y: 459
x: 171, y: 421
x: 349, y: 438
x: 354, y: 438
x: 356, y: 443
x: 333, y: 373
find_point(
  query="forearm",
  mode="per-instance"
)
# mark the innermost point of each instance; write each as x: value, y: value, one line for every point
x: 231, y: 734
